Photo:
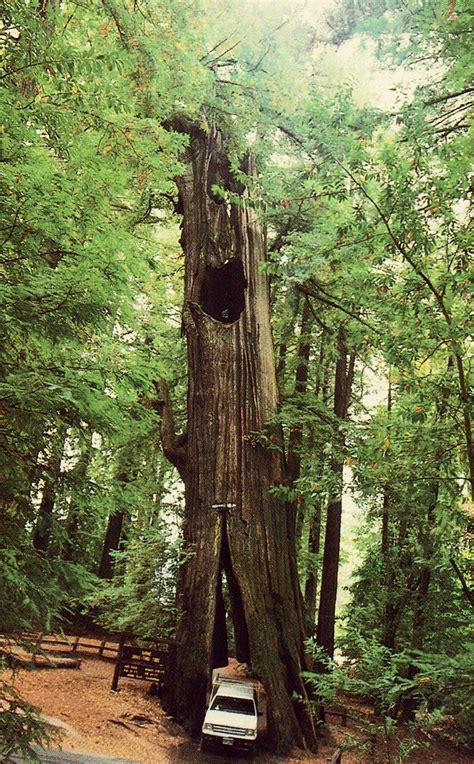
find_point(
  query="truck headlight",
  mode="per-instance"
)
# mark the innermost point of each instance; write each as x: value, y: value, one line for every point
x: 250, y: 733
x: 207, y: 727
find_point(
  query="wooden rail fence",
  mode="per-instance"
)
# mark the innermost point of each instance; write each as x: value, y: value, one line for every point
x: 105, y: 647
x: 342, y: 712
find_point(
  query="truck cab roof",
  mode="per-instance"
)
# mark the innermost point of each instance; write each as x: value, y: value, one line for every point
x: 235, y: 690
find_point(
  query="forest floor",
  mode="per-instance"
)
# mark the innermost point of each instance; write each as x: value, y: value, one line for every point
x: 91, y: 719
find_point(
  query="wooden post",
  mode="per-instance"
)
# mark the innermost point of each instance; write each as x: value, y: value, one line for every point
x: 37, y: 646
x: 75, y: 645
x: 118, y: 664
x: 101, y: 648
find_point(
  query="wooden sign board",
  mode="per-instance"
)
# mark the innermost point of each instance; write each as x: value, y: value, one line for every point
x: 152, y: 664
x: 139, y: 663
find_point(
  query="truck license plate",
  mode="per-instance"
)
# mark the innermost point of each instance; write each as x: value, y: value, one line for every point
x: 227, y: 741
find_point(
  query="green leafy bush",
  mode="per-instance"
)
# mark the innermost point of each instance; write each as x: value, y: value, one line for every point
x: 442, y: 685
x: 141, y: 597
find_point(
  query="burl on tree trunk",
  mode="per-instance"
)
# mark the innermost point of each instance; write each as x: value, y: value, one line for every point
x: 231, y: 457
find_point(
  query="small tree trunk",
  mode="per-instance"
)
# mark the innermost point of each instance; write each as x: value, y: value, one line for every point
x: 295, y: 441
x: 311, y: 585
x: 287, y: 335
x: 328, y: 593
x: 332, y: 541
x: 112, y: 539
x: 464, y: 585
x: 466, y: 401
x: 43, y: 528
x: 314, y: 531
x: 71, y: 549
x: 409, y: 703
x: 390, y: 608
x: 111, y: 544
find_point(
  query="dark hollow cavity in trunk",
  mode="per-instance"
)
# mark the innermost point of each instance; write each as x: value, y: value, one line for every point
x: 223, y: 291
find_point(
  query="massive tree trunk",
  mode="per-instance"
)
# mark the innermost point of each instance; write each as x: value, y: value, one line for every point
x: 233, y: 524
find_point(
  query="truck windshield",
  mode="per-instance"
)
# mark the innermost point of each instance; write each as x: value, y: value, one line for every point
x: 234, y: 705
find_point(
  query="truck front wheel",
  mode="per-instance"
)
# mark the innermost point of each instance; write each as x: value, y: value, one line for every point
x: 204, y: 747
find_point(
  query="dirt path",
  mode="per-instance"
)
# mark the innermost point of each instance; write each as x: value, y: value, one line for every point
x: 50, y: 756
x: 131, y: 725
x: 92, y: 718
x: 127, y: 724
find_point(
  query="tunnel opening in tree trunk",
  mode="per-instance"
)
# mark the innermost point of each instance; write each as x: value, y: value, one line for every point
x: 229, y: 613
x: 237, y: 613
x: 220, y: 643
x: 223, y: 291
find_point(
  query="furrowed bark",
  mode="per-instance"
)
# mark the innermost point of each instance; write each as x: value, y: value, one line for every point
x: 232, y: 521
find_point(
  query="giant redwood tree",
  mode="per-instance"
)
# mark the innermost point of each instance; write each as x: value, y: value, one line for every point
x: 231, y: 457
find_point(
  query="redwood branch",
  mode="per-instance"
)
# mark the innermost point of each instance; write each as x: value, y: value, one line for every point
x: 316, y: 296
x: 448, y: 96
x: 173, y: 444
x: 467, y: 591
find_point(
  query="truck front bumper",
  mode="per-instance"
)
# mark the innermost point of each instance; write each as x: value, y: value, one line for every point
x: 221, y: 742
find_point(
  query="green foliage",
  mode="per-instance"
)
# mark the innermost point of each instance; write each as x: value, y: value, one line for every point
x: 370, y: 221
x: 140, y: 599
x: 86, y: 164
x: 444, y: 686
x: 36, y: 590
x: 373, y: 674
x: 373, y: 678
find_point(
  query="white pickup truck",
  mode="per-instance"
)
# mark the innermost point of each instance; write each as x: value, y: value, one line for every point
x: 232, y: 716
